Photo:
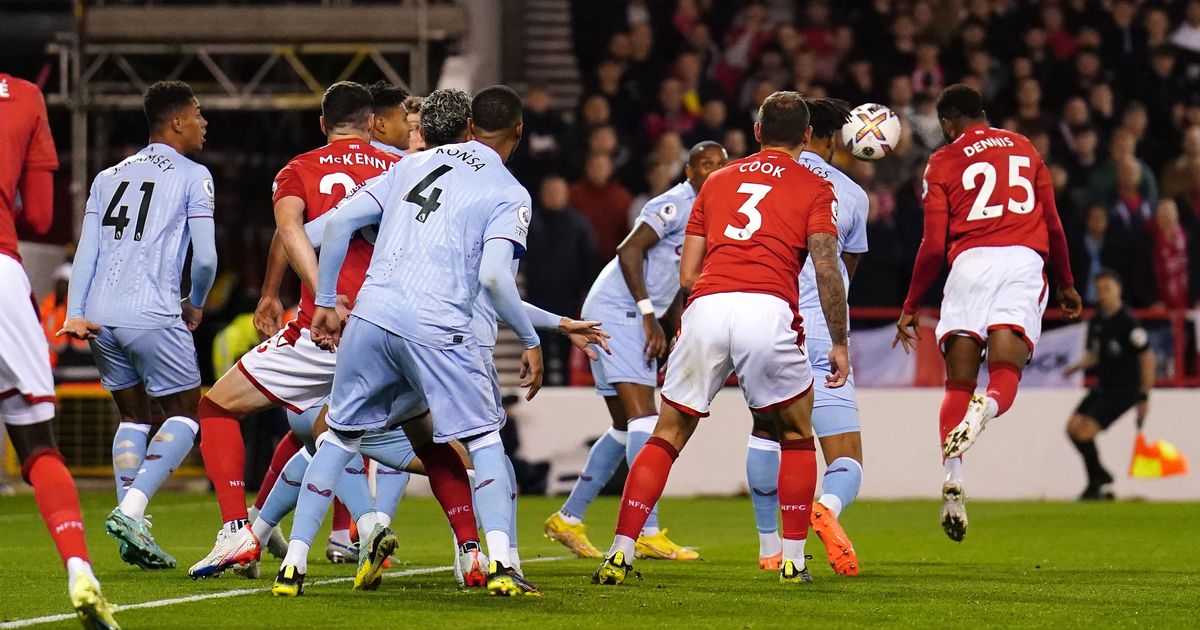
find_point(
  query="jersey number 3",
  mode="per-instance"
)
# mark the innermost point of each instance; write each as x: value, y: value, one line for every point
x: 116, y: 217
x: 980, y: 209
x: 750, y: 209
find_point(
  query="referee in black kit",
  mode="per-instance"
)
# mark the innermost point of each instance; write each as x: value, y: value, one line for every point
x: 1119, y: 355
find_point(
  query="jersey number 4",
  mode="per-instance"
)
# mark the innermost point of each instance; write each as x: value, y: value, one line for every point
x: 115, y: 215
x: 980, y: 209
x: 429, y: 202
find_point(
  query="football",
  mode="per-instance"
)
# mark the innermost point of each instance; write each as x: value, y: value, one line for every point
x: 872, y: 132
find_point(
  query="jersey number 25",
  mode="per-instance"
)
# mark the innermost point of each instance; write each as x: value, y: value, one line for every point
x: 980, y: 209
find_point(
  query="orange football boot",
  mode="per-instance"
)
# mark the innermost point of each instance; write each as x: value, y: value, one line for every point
x: 838, y: 548
x: 771, y: 563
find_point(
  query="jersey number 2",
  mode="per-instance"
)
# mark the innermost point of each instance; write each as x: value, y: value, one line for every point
x: 980, y: 209
x: 750, y: 209
x: 116, y: 217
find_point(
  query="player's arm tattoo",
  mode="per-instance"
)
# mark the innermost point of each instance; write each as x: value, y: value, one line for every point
x: 823, y: 249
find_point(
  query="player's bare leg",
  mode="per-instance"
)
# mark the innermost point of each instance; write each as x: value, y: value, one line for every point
x: 566, y: 525
x: 843, y: 475
x: 963, y: 356
x: 647, y: 478
x: 1007, y: 355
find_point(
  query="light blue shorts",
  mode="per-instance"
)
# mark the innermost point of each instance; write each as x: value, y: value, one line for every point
x: 834, y: 410
x: 387, y: 446
x: 627, y: 363
x: 392, y: 377
x: 163, y: 359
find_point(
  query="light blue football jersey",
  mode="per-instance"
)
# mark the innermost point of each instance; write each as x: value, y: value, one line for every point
x: 439, y: 207
x: 144, y: 204
x: 852, y: 207
x: 666, y: 214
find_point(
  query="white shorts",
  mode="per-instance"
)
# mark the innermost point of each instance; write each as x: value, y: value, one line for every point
x: 290, y: 369
x: 994, y: 287
x: 24, y: 353
x: 752, y: 334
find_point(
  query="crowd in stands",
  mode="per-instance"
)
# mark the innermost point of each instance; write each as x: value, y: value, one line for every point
x: 1109, y: 92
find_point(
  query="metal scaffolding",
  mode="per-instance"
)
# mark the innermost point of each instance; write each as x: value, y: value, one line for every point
x: 275, y: 57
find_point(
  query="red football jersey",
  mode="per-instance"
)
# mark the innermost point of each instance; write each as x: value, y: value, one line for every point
x: 987, y: 188
x: 323, y: 177
x: 756, y: 215
x: 25, y: 145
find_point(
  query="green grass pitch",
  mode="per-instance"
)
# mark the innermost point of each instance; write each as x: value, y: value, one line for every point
x: 1022, y: 565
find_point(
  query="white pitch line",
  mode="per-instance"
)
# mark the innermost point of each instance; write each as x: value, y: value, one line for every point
x: 238, y: 592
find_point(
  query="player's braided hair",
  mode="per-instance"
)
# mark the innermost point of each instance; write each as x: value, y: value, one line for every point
x: 163, y: 98
x: 827, y: 115
x: 444, y: 115
x: 385, y: 97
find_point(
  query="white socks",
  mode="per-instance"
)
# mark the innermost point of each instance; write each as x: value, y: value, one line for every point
x: 953, y: 467
x: 297, y: 555
x: 134, y: 504
x: 649, y: 531
x: 769, y: 544
x: 794, y: 550
x: 625, y: 544
x: 570, y: 520
x: 497, y: 547
x: 832, y: 502
x: 77, y: 566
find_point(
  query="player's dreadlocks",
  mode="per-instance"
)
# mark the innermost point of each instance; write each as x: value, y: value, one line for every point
x: 827, y: 115
x: 444, y: 115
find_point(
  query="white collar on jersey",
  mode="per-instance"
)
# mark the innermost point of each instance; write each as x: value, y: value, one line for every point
x: 813, y: 156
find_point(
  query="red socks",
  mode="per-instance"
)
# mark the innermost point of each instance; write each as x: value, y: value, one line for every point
x: 288, y: 446
x: 647, y: 478
x: 954, y: 406
x: 1003, y: 378
x: 452, y: 489
x: 224, y: 458
x: 341, y: 516
x: 58, y: 501
x: 797, y: 484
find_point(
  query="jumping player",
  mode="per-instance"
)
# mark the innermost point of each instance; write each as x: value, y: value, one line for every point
x: 989, y: 210
x: 753, y: 225
x: 636, y: 288
x: 27, y: 164
x: 835, y: 411
x: 124, y: 297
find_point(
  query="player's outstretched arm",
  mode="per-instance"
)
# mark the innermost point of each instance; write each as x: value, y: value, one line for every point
x: 691, y: 261
x: 204, y: 268
x: 581, y: 333
x: 822, y: 247
x: 83, y: 269
x: 1060, y: 258
x: 495, y: 276
x: 351, y: 215
x: 930, y: 255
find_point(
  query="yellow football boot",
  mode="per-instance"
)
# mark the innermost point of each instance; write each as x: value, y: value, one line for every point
x: 573, y: 537
x: 659, y: 547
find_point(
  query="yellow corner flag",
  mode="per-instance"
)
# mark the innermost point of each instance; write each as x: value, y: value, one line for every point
x: 1154, y: 460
